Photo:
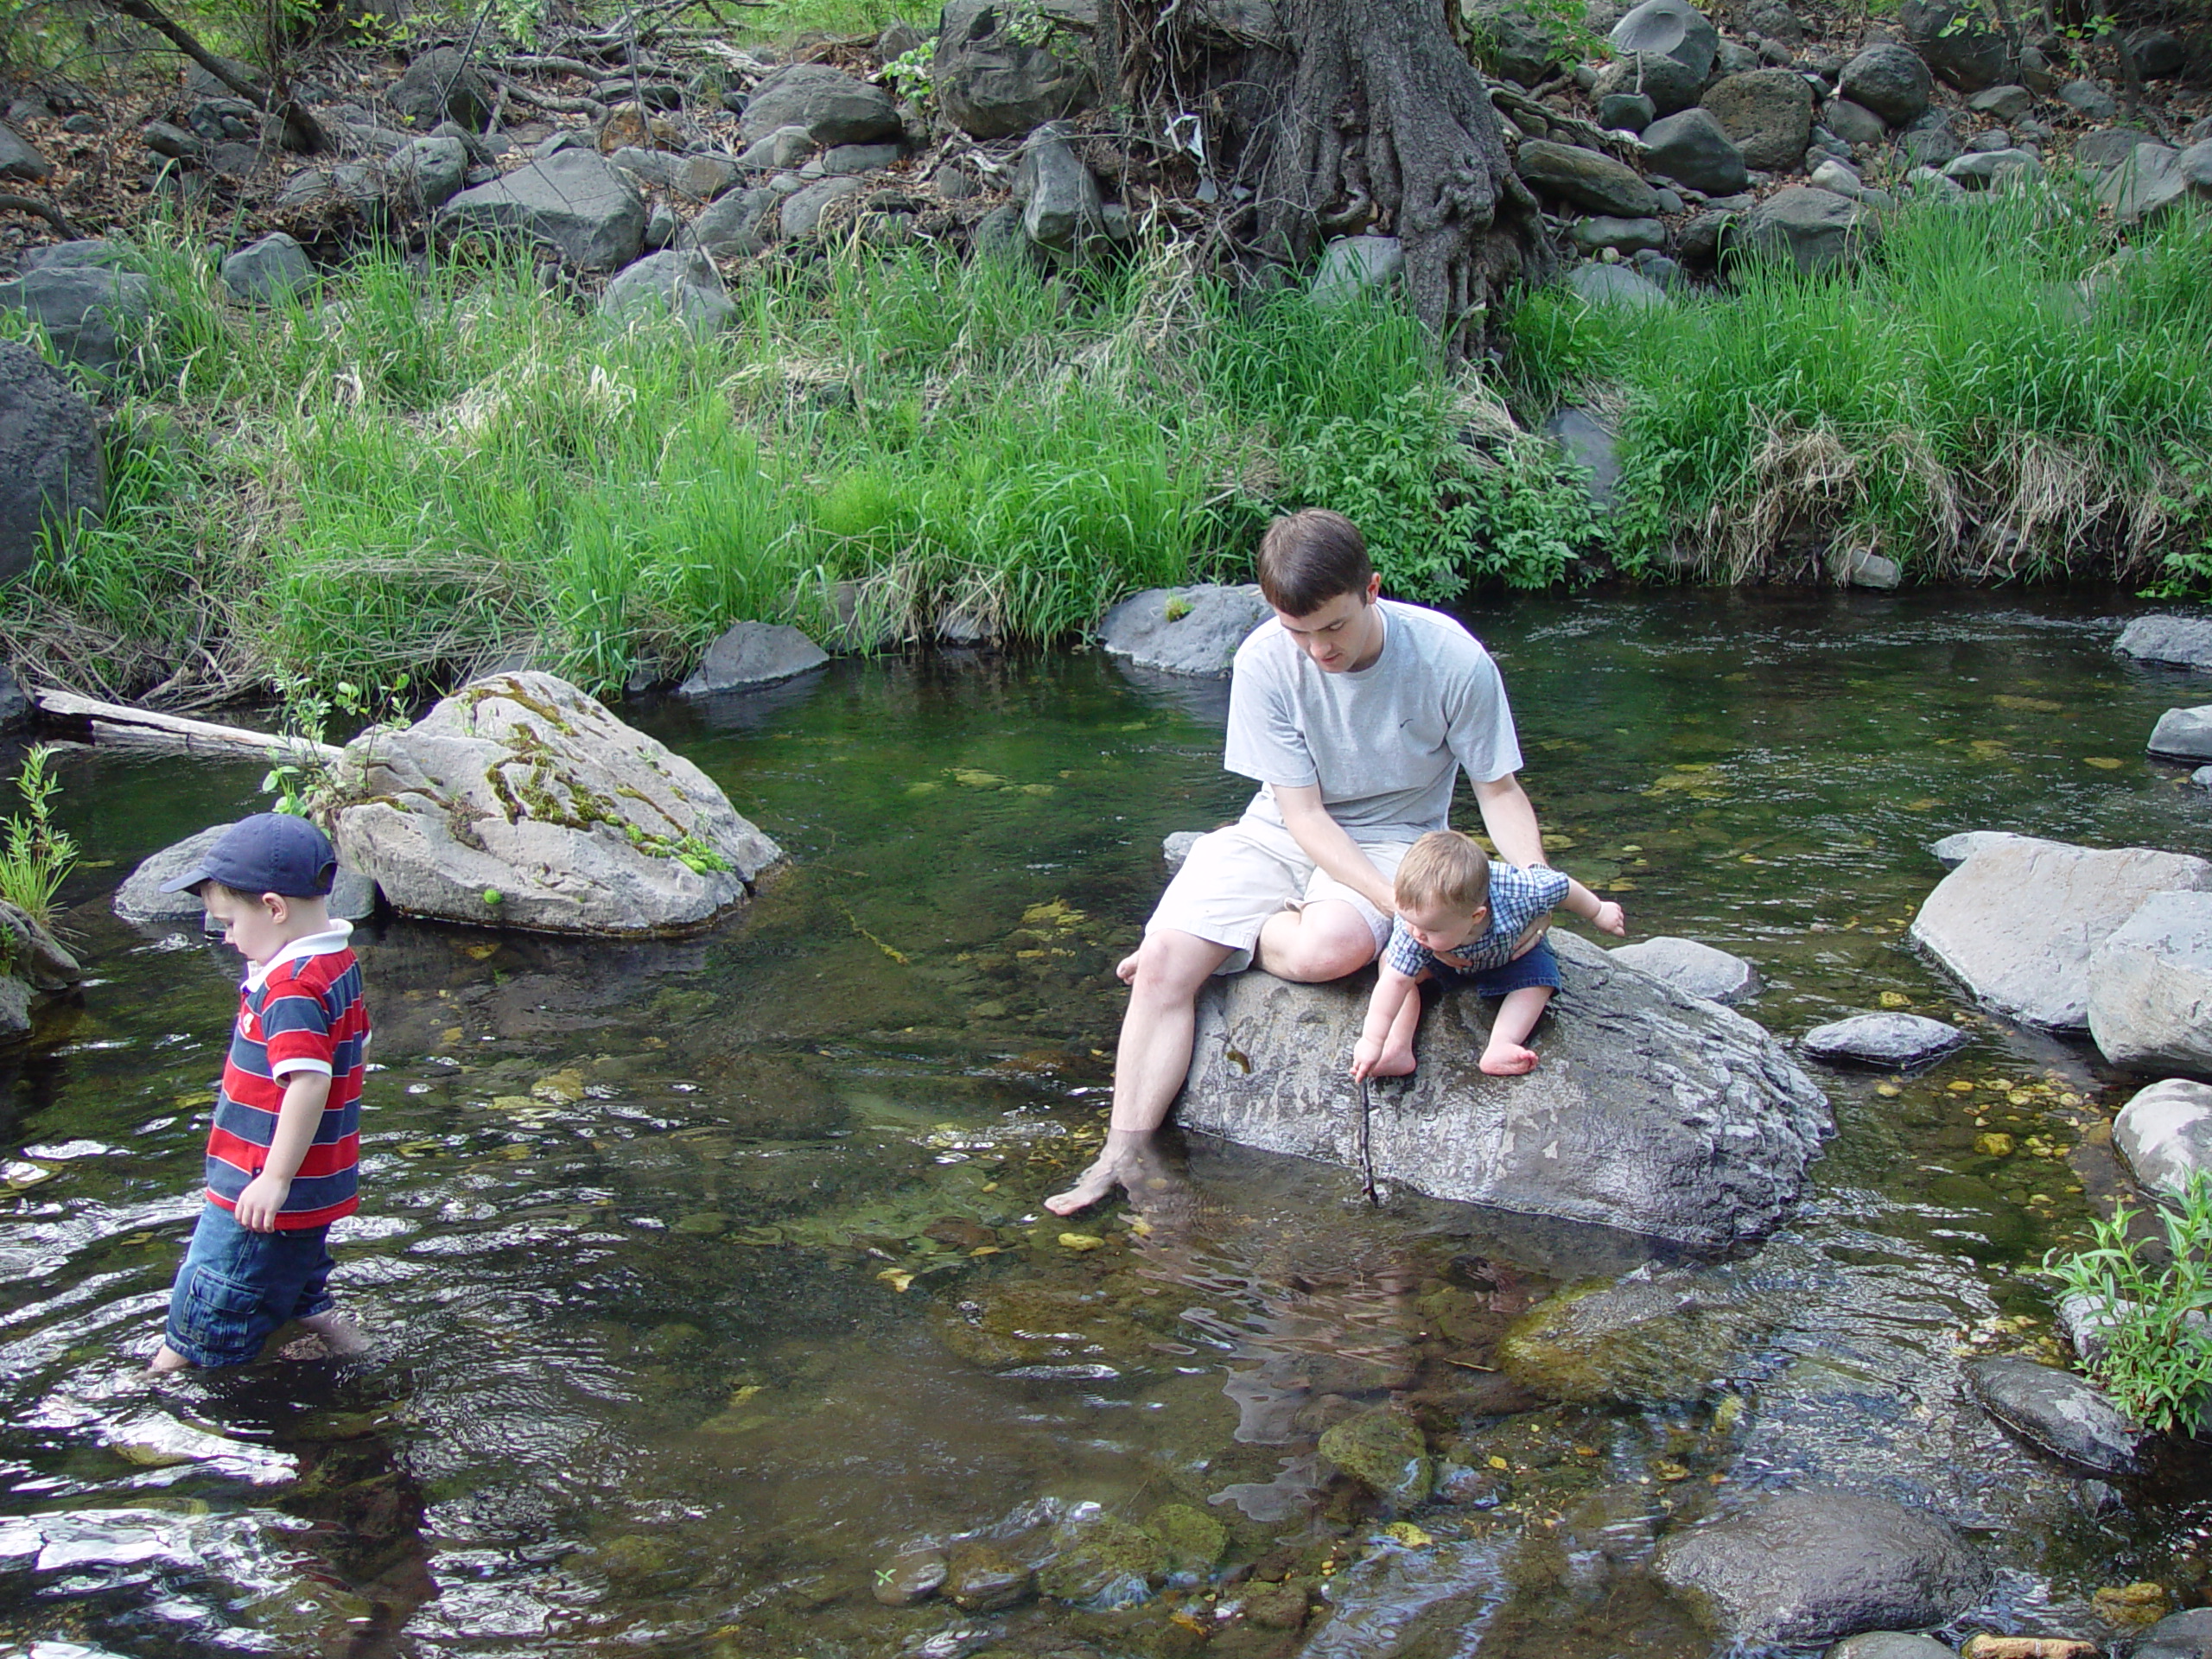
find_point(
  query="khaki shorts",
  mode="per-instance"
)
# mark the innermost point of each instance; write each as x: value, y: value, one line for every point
x: 1236, y: 878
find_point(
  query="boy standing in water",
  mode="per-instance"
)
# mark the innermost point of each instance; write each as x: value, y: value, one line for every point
x: 1462, y: 918
x: 283, y: 1149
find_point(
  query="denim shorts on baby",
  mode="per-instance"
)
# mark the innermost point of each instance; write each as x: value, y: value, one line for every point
x: 236, y: 1285
x: 1534, y: 966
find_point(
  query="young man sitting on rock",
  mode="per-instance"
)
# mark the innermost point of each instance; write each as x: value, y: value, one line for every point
x: 1462, y: 918
x: 1356, y: 715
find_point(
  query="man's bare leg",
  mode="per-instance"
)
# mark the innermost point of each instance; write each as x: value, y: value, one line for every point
x: 1150, y: 1061
x: 1321, y: 941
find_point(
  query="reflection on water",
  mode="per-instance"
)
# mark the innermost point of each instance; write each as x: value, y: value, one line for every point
x: 717, y: 1313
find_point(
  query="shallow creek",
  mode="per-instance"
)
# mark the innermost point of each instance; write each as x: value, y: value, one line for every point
x: 708, y: 1275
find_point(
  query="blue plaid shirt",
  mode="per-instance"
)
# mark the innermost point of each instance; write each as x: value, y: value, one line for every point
x: 1518, y: 896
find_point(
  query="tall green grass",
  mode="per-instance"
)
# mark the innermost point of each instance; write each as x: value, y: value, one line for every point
x: 2000, y: 392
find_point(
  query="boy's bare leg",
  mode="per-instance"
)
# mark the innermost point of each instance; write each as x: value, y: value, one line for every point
x: 1396, y: 1059
x: 339, y: 1334
x: 1507, y: 1054
x: 167, y: 1359
x: 1149, y: 1063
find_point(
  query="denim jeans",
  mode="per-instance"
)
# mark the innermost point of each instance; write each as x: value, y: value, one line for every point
x: 236, y: 1285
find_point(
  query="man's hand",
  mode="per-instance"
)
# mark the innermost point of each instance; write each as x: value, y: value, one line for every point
x: 263, y: 1199
x: 1611, y: 918
x: 1364, y: 1054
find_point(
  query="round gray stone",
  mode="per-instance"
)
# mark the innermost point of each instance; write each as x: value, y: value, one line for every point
x: 272, y: 269
x: 750, y: 654
x: 1767, y: 113
x: 2175, y: 641
x: 1692, y: 967
x: 1813, y: 1566
x: 1693, y: 149
x: 1615, y: 285
x: 141, y: 901
x: 1888, y: 78
x: 2183, y: 734
x: 1183, y: 630
x: 1887, y: 1039
x: 2058, y: 1412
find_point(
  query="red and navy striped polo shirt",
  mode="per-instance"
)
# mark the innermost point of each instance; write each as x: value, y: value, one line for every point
x: 303, y: 1012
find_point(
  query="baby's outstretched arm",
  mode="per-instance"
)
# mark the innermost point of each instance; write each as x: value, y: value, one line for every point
x: 1605, y: 913
x: 1386, y: 1042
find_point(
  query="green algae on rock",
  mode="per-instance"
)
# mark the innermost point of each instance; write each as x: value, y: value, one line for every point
x: 1383, y: 1450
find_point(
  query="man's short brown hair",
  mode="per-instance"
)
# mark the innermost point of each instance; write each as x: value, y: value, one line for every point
x: 1309, y: 558
x: 1444, y: 868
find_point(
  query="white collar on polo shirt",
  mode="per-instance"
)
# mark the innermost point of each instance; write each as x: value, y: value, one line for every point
x: 333, y: 937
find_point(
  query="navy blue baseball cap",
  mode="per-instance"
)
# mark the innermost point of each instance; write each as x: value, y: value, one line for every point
x: 270, y: 852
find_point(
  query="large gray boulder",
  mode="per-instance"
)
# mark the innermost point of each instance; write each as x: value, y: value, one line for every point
x: 2019, y: 920
x: 992, y: 84
x: 1062, y: 210
x: 682, y: 284
x: 573, y: 202
x: 2178, y: 1636
x: 1591, y: 448
x: 19, y: 161
x: 1813, y: 1566
x: 1585, y: 178
x: 2164, y: 1135
x: 2150, y: 987
x: 1669, y: 28
x: 802, y: 209
x: 521, y: 802
x: 2152, y: 177
x: 51, y: 469
x: 2175, y: 641
x: 1651, y: 1112
x: 1615, y: 285
x: 833, y: 107
x: 1693, y: 148
x: 92, y: 313
x: 1956, y: 42
x: 751, y: 654
x: 739, y: 225
x: 270, y: 269
x: 32, y: 961
x: 1899, y: 1040
x: 1767, y: 114
x: 1890, y: 79
x: 2183, y: 735
x: 2058, y: 1412
x: 1691, y: 967
x: 440, y: 86
x: 1355, y: 265
x: 1815, y: 230
x: 141, y: 901
x: 1985, y: 170
x: 1183, y: 629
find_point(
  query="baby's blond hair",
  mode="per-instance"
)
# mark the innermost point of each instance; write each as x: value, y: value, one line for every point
x: 1444, y: 868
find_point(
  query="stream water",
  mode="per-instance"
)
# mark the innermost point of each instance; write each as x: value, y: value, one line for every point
x: 708, y: 1276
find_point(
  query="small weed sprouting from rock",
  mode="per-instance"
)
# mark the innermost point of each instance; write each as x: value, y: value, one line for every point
x: 36, y: 857
x: 2157, y: 1358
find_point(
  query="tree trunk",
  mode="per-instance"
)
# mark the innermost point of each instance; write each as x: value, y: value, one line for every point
x: 1357, y: 116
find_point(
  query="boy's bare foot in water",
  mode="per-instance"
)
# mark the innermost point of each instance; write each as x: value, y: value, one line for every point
x: 1130, y: 1161
x: 1507, y: 1060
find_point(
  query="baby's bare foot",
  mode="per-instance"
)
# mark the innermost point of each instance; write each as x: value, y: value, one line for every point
x: 1507, y: 1060
x: 1398, y: 1062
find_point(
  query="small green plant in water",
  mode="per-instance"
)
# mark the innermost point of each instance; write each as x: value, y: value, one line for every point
x: 34, y: 856
x: 2157, y: 1361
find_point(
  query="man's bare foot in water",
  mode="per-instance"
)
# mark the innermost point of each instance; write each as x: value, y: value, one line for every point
x: 1507, y: 1060
x: 1129, y: 1160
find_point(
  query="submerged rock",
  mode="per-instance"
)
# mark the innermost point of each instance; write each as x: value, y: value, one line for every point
x: 2019, y: 921
x: 1813, y: 1565
x: 1651, y: 1111
x: 1383, y: 1449
x: 141, y: 901
x: 1691, y: 968
x: 980, y: 1578
x: 2057, y: 1411
x: 1101, y: 1558
x: 1183, y: 630
x: 1653, y: 1336
x: 521, y: 802
x: 2177, y: 641
x: 1892, y: 1039
x: 2150, y: 987
x: 1889, y: 1644
x: 2164, y: 1135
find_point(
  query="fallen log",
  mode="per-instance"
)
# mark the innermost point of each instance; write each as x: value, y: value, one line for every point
x: 120, y: 724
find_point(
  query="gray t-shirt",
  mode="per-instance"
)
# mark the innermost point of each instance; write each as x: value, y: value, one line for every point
x: 1384, y: 743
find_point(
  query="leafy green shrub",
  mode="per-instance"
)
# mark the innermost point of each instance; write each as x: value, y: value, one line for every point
x: 2157, y: 1361
x: 36, y: 857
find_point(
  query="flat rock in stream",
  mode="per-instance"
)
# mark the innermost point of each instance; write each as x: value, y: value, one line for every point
x: 753, y: 653
x: 1183, y: 630
x: 1651, y: 1111
x: 521, y: 802
x: 2019, y: 920
x: 1889, y: 1644
x: 2058, y: 1412
x: 1892, y: 1040
x: 2164, y: 1135
x: 141, y: 901
x: 1693, y: 968
x: 2180, y: 1636
x: 1813, y: 1565
x: 2175, y: 641
x: 2150, y: 987
x: 2183, y: 735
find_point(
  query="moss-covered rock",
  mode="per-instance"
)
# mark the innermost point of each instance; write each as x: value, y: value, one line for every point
x: 1193, y: 1540
x: 1383, y: 1451
x: 1649, y: 1338
x: 1103, y: 1558
x: 980, y: 1578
